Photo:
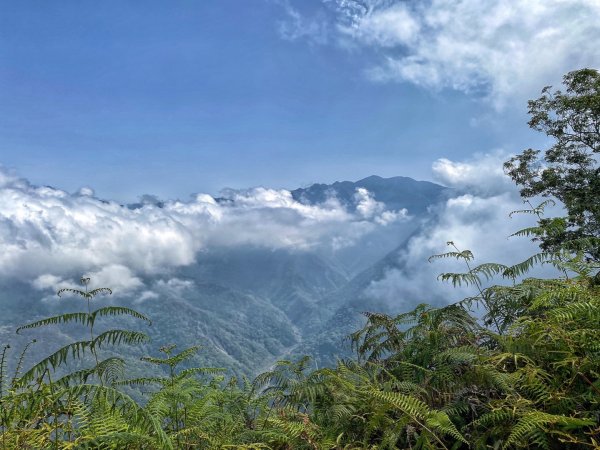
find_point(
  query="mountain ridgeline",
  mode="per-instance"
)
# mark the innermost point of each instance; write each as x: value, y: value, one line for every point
x: 395, y: 192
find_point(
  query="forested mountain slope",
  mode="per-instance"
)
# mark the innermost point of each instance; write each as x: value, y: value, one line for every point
x: 250, y: 305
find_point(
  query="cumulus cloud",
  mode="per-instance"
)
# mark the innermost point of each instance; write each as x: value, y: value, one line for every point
x: 478, y: 221
x: 369, y: 208
x: 49, y: 281
x: 48, y: 235
x: 481, y: 175
x: 501, y: 49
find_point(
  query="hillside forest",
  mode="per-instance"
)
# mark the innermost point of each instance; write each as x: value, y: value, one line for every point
x: 516, y: 365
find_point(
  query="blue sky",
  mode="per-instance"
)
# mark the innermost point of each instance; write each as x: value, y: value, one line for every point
x: 171, y: 98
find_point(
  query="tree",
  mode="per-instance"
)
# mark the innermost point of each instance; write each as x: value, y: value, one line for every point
x: 569, y: 170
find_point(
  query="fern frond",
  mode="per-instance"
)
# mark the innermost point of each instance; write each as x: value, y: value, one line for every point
x: 88, y: 295
x: 459, y: 279
x: 110, y: 369
x: 130, y: 411
x: 115, y: 337
x: 19, y: 366
x: 466, y: 255
x: 3, y: 369
x: 537, y: 210
x: 489, y: 270
x: 200, y: 370
x: 581, y: 311
x: 440, y: 422
x: 142, y: 381
x: 118, y: 311
x: 528, y: 232
x: 173, y: 360
x: 523, y: 267
x: 118, y: 439
x: 409, y: 405
x: 57, y: 320
x: 536, y: 422
x: 56, y: 359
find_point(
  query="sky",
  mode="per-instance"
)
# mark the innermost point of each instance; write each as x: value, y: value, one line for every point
x: 174, y: 98
x: 103, y: 102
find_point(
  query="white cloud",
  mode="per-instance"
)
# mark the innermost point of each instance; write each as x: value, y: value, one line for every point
x: 120, y: 279
x: 396, y: 25
x: 477, y: 221
x: 506, y: 50
x: 86, y: 191
x: 145, y: 296
x: 7, y: 177
x: 366, y: 205
x: 369, y: 208
x: 48, y: 235
x: 483, y: 174
x: 171, y: 288
x: 49, y: 281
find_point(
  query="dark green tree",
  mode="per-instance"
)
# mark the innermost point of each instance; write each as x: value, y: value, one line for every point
x: 569, y: 169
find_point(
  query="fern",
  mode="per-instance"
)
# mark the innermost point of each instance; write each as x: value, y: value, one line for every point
x: 19, y: 365
x: 74, y: 350
x: 117, y: 337
x: 3, y: 369
x: 532, y: 424
x: 112, y: 311
x: 78, y: 317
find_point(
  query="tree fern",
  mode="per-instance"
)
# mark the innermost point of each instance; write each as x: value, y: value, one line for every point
x: 77, y: 350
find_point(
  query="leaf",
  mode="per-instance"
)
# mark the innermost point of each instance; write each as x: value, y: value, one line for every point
x: 117, y: 311
x: 57, y: 320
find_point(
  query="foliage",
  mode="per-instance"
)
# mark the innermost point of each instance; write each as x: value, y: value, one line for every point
x: 49, y: 406
x: 525, y: 374
x: 569, y: 170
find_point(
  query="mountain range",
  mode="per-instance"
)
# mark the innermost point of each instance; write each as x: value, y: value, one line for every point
x: 249, y: 306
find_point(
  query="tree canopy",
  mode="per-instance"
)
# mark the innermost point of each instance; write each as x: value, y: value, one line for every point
x: 569, y: 170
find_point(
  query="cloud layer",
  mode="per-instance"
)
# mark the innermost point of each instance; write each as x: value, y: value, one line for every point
x: 48, y: 234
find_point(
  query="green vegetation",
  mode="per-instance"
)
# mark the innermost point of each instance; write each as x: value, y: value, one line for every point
x: 569, y: 169
x: 514, y: 366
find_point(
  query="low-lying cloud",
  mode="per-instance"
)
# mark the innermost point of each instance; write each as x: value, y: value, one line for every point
x: 477, y: 219
x: 48, y: 234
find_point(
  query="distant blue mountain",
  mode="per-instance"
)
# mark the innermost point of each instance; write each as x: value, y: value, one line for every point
x: 395, y: 192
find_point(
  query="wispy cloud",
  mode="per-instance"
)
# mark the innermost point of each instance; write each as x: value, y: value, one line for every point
x: 297, y: 26
x: 500, y: 50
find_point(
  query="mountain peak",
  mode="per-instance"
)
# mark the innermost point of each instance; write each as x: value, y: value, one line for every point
x: 371, y: 178
x: 396, y: 192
